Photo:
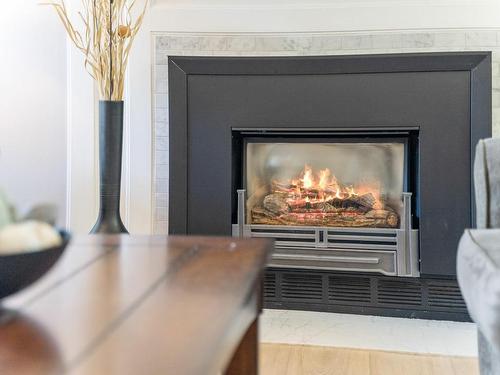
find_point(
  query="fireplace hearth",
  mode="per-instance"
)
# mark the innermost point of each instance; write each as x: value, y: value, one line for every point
x: 358, y: 166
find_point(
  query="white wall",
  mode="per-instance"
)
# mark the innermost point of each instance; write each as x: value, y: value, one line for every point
x: 32, y: 105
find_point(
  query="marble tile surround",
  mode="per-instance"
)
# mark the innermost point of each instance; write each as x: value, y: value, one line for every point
x: 294, y: 44
x: 369, y: 332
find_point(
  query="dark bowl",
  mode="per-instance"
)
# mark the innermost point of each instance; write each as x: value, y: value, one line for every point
x: 17, y: 271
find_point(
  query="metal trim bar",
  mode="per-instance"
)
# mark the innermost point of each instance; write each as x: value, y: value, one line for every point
x: 327, y: 258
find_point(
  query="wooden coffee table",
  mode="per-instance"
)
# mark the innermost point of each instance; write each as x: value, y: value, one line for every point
x: 140, y: 305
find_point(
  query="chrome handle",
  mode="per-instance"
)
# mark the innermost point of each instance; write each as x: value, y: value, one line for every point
x: 331, y: 258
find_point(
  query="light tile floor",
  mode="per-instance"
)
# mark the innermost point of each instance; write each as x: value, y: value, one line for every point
x: 369, y: 332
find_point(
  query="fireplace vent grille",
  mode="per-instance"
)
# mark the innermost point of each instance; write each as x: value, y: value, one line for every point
x: 302, y: 287
x: 399, y: 293
x: 349, y: 289
x: 269, y: 285
x: 442, y: 294
x: 364, y: 294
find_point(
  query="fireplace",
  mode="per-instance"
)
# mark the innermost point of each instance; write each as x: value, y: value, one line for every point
x: 331, y: 200
x: 358, y: 166
x: 324, y: 184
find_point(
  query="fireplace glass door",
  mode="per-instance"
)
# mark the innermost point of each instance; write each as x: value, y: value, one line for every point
x: 327, y: 184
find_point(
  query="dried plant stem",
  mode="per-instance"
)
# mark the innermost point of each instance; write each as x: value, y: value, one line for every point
x: 105, y: 39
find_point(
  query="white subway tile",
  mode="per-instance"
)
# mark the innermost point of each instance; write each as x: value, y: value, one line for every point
x: 496, y: 115
x: 495, y: 68
x: 161, y: 227
x: 161, y: 143
x: 352, y: 42
x: 481, y: 38
x: 495, y: 98
x: 161, y: 58
x: 241, y: 43
x: 161, y: 101
x: 387, y: 41
x: 197, y: 52
x: 161, y: 185
x: 161, y: 203
x: 449, y: 39
x: 161, y: 213
x: 161, y: 71
x: 161, y: 86
x: 228, y: 53
x: 326, y: 42
x: 161, y: 196
x: 167, y: 43
x: 495, y: 82
x: 279, y: 43
x: 161, y: 129
x: 496, y: 129
x: 161, y: 157
x: 161, y: 171
x: 417, y: 40
x: 161, y: 115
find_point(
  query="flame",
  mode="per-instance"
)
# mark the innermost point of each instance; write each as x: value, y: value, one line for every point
x: 324, y: 176
x: 323, y: 186
x: 308, y: 179
x: 350, y: 190
x: 337, y: 194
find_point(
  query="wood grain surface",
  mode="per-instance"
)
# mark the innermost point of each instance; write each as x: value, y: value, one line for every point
x: 136, y: 305
x: 283, y: 359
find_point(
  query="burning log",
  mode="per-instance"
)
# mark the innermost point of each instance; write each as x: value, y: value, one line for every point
x: 279, y: 187
x: 365, y: 200
x: 385, y: 217
x: 261, y: 216
x: 280, y: 203
x: 364, y: 203
x: 276, y: 203
x: 340, y: 218
x: 321, y: 201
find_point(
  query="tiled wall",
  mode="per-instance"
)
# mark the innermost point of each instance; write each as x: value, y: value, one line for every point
x: 290, y: 45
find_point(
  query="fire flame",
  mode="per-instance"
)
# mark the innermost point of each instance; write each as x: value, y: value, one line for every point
x: 324, y: 178
x: 323, y: 186
x: 308, y: 179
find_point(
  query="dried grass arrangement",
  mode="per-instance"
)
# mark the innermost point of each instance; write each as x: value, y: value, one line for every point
x: 106, y: 36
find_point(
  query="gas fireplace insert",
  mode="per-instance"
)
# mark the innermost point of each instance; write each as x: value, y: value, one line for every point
x: 358, y: 166
x: 331, y: 200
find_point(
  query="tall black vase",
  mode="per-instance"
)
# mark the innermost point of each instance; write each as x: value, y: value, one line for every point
x: 110, y: 167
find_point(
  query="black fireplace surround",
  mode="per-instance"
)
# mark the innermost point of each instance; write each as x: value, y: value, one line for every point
x: 440, y: 103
